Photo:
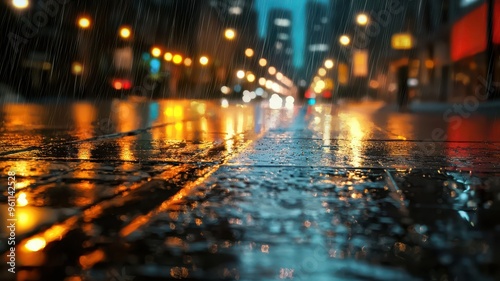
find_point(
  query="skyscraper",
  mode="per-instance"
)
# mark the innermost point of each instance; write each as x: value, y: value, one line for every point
x: 278, y: 46
x: 318, y: 36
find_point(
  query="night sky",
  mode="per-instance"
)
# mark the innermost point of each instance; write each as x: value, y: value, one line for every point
x: 298, y: 8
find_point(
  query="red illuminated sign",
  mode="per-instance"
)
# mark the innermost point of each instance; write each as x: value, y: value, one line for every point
x: 468, y: 36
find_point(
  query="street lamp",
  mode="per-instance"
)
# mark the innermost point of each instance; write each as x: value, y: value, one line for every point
x: 20, y: 4
x: 345, y: 40
x: 76, y: 68
x: 168, y: 56
x: 229, y: 33
x: 187, y: 62
x: 249, y: 52
x: 156, y: 52
x: 262, y: 81
x: 262, y: 62
x: 271, y: 70
x: 125, y: 32
x: 269, y: 84
x: 250, y: 77
x: 329, y: 64
x: 177, y: 59
x: 203, y: 60
x: 240, y: 74
x: 362, y: 19
x: 84, y: 22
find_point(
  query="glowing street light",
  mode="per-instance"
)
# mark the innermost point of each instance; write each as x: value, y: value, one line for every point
x: 168, y: 56
x: 276, y: 87
x: 271, y: 70
x: 230, y: 34
x: 249, y: 52
x: 329, y: 64
x: 84, y: 22
x: 125, y: 32
x: 269, y: 84
x: 187, y: 62
x: 203, y: 60
x: 322, y: 71
x: 240, y: 74
x: 262, y: 62
x: 251, y: 77
x: 225, y: 90
x: 362, y: 19
x: 156, y: 52
x: 262, y: 81
x: 76, y: 68
x: 345, y: 40
x: 20, y: 4
x: 320, y: 85
x: 177, y: 59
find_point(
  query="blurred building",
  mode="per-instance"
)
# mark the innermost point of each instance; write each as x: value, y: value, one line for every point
x: 318, y: 36
x: 437, y: 51
x: 278, y: 44
x: 79, y: 49
x: 240, y: 15
x: 64, y: 49
x: 40, y: 47
x: 340, y: 14
x: 226, y: 54
x: 195, y: 32
x: 452, y: 48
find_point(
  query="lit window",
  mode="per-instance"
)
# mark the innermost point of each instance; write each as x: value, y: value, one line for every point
x: 235, y: 10
x: 318, y: 47
x: 283, y: 36
x: 282, y: 22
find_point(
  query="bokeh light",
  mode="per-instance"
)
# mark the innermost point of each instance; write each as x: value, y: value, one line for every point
x: 345, y: 40
x: 177, y: 59
x: 230, y: 34
x: 20, y: 4
x: 203, y: 60
x: 125, y: 32
x: 156, y: 52
x: 249, y: 52
x: 362, y: 19
x: 240, y: 74
x: 84, y: 22
x: 329, y: 64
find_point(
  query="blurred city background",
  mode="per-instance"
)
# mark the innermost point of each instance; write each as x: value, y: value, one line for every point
x: 245, y: 49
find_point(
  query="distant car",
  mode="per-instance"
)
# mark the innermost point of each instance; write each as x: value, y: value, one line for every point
x: 121, y: 82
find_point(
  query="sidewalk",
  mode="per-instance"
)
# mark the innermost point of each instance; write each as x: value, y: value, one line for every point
x: 292, y: 209
x: 320, y: 194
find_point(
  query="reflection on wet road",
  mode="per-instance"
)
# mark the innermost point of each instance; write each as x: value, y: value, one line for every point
x: 131, y: 190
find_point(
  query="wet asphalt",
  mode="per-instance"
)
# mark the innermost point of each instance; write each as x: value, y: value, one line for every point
x: 135, y: 190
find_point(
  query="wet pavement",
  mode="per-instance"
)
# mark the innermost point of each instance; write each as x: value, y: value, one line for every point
x: 131, y: 190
